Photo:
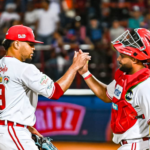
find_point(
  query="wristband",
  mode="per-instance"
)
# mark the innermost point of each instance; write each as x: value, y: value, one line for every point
x: 86, y: 75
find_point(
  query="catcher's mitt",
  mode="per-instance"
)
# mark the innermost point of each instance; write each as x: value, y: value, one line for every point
x: 43, y: 143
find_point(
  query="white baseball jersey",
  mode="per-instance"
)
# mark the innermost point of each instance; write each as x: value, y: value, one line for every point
x: 20, y: 84
x: 139, y: 97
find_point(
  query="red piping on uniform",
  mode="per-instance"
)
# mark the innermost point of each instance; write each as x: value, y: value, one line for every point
x: 7, y: 56
x: 13, y: 138
x: 17, y: 138
x: 108, y: 96
x: 132, y: 146
x: 52, y: 92
x: 135, y: 147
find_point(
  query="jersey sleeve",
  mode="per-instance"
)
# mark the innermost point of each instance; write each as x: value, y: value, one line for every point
x: 143, y: 100
x: 37, y: 81
x: 110, y: 89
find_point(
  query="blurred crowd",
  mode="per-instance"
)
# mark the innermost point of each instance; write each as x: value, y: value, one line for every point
x: 67, y: 25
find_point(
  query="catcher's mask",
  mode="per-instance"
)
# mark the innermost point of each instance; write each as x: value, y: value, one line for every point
x: 135, y: 43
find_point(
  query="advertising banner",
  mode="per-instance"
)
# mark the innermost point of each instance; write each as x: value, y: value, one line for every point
x: 59, y: 118
x: 74, y: 117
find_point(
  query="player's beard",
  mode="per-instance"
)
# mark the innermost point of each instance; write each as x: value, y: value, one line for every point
x: 125, y: 68
x: 29, y: 59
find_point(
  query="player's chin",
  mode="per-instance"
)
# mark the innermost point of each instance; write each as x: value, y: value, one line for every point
x: 30, y: 57
x: 28, y: 60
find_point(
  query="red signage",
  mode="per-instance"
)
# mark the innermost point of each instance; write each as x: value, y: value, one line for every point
x: 59, y: 118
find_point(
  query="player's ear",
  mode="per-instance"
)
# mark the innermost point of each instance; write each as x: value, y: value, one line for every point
x: 16, y: 44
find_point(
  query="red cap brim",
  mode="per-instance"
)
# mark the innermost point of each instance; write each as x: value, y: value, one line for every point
x: 37, y: 42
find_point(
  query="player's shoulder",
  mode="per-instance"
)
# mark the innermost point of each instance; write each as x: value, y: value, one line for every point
x: 29, y: 67
x: 19, y: 64
x: 22, y: 66
x: 145, y: 83
x: 142, y: 91
x: 144, y: 86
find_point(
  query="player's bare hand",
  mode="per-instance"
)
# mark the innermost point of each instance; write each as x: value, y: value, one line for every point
x: 84, y: 69
x: 80, y: 59
x: 34, y: 131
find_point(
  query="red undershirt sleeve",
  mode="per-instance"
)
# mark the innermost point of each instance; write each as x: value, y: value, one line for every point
x: 57, y: 92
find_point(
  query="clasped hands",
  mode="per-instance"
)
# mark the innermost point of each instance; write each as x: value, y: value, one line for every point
x: 80, y: 61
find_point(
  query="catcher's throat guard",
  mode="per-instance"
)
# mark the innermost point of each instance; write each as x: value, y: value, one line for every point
x: 124, y: 116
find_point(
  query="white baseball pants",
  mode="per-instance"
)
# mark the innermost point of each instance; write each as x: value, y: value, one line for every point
x: 16, y: 138
x: 142, y: 145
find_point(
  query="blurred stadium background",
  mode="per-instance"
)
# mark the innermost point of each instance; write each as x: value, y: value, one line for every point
x: 78, y: 120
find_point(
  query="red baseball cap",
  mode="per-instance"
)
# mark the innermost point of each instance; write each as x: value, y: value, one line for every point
x: 21, y: 33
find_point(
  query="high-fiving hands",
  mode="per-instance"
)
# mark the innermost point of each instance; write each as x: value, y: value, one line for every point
x: 81, y: 60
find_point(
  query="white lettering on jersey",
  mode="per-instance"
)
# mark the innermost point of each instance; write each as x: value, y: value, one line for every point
x: 118, y: 91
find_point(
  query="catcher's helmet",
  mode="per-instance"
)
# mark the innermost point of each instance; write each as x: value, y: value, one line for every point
x: 135, y: 43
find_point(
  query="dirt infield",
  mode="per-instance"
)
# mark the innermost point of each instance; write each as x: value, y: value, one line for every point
x: 85, y: 146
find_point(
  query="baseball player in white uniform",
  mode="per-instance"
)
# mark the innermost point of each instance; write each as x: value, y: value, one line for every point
x: 20, y: 84
x: 129, y: 91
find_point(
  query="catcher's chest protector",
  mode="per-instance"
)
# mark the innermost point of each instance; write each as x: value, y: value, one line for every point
x: 123, y: 114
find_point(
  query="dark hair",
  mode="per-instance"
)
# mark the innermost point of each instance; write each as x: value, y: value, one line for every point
x: 136, y: 37
x: 7, y: 43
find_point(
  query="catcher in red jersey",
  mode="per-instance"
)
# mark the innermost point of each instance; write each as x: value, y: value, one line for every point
x: 129, y: 92
x: 20, y: 84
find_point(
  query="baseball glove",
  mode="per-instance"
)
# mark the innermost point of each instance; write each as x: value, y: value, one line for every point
x: 43, y: 143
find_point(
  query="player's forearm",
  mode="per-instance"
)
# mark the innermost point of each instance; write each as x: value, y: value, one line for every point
x: 34, y: 131
x: 66, y: 80
x: 98, y: 88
